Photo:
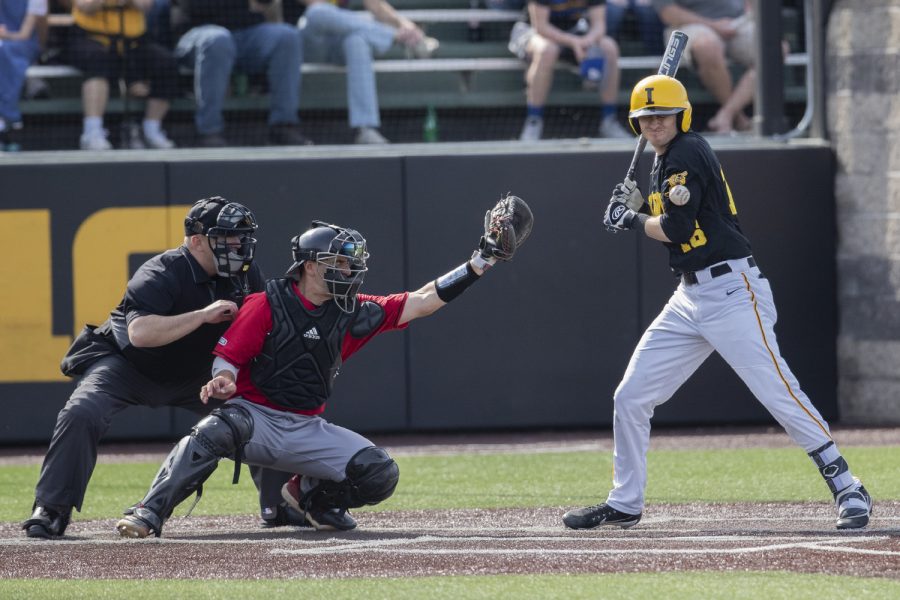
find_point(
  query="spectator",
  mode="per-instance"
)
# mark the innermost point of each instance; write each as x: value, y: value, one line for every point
x: 153, y: 350
x: 574, y: 30
x: 337, y: 35
x: 650, y: 28
x: 227, y: 34
x: 718, y: 30
x: 20, y: 21
x: 108, y: 42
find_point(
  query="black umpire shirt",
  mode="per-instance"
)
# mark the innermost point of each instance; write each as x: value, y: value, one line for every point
x: 173, y: 283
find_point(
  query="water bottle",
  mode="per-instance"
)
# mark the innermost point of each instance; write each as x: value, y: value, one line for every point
x: 592, y: 66
x: 430, y: 126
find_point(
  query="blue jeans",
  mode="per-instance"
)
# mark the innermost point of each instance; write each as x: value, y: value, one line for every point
x: 15, y: 56
x: 213, y: 51
x: 336, y: 35
x: 649, y: 25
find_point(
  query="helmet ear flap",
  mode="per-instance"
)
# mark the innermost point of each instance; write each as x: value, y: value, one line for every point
x: 685, y: 118
x: 635, y: 125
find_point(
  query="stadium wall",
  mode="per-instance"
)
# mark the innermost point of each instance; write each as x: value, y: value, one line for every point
x: 540, y: 342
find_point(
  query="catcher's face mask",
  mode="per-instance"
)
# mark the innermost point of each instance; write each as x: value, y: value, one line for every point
x: 345, y: 267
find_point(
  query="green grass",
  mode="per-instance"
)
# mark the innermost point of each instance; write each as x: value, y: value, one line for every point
x: 635, y: 586
x: 509, y: 480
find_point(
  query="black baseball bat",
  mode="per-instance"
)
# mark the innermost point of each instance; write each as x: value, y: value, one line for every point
x: 668, y: 66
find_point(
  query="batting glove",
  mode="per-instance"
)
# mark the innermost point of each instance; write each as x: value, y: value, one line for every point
x: 618, y: 216
x: 628, y: 193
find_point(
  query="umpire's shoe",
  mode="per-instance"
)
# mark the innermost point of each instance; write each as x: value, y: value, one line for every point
x: 46, y: 523
x: 854, y: 505
x: 601, y: 514
x: 323, y: 519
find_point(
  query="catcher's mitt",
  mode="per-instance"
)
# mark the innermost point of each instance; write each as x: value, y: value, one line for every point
x: 506, y: 227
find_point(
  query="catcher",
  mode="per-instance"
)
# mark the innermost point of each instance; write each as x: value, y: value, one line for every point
x: 276, y: 366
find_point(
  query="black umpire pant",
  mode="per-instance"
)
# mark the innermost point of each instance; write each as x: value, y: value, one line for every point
x: 107, y: 387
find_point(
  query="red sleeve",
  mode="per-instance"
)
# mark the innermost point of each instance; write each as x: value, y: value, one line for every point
x: 244, y: 338
x: 393, y: 308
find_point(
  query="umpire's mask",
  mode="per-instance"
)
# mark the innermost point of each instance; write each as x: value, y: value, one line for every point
x: 229, y: 228
x: 342, y: 251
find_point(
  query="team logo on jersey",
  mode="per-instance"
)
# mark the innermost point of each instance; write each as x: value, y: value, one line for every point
x: 677, y: 179
x: 222, y: 341
x: 312, y: 334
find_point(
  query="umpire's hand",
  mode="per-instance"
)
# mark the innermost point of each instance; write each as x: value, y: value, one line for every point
x: 220, y: 387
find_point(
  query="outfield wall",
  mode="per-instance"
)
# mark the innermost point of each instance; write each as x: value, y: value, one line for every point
x: 540, y: 342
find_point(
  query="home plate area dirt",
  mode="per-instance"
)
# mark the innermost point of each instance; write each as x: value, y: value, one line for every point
x: 726, y: 537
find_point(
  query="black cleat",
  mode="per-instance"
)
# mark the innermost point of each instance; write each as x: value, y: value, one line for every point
x: 285, y: 516
x: 601, y: 514
x: 323, y: 519
x: 854, y: 506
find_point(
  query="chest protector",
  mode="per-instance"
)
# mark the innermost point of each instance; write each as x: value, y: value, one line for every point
x: 301, y: 356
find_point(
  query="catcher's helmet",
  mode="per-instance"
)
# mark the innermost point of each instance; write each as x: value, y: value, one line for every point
x: 659, y: 95
x: 324, y: 243
x: 219, y: 219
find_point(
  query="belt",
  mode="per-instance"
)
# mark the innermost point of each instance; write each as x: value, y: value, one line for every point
x: 690, y: 277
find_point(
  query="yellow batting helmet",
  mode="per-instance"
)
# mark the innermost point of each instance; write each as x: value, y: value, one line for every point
x: 659, y: 95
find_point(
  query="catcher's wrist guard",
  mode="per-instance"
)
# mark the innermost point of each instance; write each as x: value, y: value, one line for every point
x: 479, y: 260
x: 455, y: 282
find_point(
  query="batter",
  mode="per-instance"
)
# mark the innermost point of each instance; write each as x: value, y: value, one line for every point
x: 723, y: 303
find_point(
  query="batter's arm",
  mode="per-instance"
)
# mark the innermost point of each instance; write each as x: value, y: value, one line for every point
x: 653, y: 229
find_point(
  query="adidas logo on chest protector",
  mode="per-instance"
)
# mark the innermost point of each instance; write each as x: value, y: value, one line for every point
x: 312, y: 334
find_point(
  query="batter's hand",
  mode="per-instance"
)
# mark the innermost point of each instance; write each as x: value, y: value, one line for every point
x: 220, y: 311
x: 618, y: 216
x: 219, y: 387
x: 628, y: 192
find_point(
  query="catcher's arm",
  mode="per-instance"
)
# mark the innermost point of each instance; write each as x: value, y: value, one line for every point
x: 506, y: 227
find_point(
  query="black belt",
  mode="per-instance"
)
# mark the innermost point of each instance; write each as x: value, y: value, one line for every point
x: 690, y: 278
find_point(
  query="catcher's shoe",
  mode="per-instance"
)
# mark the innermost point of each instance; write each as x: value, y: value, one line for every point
x: 601, y: 514
x: 854, y: 505
x: 323, y: 519
x: 46, y: 523
x: 133, y: 526
x: 284, y: 516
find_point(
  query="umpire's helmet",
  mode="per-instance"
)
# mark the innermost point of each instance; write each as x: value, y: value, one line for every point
x: 659, y: 95
x: 219, y: 219
x: 324, y: 243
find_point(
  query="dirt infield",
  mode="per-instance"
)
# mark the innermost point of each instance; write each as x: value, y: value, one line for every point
x: 798, y: 537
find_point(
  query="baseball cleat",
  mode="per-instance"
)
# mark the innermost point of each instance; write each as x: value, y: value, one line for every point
x: 601, y: 514
x: 854, y: 506
x: 285, y: 516
x: 327, y: 519
x: 133, y: 527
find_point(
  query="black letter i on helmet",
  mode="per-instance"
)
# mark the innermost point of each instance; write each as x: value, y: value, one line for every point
x: 649, y: 95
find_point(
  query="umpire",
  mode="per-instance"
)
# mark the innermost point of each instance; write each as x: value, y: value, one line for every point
x: 153, y: 350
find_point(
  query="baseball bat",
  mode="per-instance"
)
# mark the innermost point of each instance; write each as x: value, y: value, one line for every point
x: 668, y: 66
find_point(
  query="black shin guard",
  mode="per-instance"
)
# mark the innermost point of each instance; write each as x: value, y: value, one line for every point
x: 192, y: 461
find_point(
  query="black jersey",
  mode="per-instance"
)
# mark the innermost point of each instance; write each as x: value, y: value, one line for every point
x: 705, y: 230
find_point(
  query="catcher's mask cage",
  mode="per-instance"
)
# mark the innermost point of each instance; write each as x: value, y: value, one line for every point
x: 660, y: 95
x: 219, y: 220
x: 343, y: 253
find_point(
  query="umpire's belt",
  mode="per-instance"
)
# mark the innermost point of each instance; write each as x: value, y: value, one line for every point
x: 717, y: 270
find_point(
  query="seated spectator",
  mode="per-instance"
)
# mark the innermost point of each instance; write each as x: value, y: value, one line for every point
x: 574, y: 30
x: 649, y: 27
x: 718, y: 30
x: 107, y: 42
x: 20, y: 21
x: 229, y: 34
x: 337, y: 35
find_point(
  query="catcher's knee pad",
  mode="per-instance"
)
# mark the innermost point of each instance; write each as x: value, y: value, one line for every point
x: 224, y: 431
x: 372, y: 477
x: 833, y: 467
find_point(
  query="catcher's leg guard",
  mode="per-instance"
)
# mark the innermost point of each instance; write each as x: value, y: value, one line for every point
x: 188, y: 465
x: 372, y: 477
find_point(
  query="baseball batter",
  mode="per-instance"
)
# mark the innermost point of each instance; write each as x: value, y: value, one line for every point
x: 276, y: 366
x: 723, y: 303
